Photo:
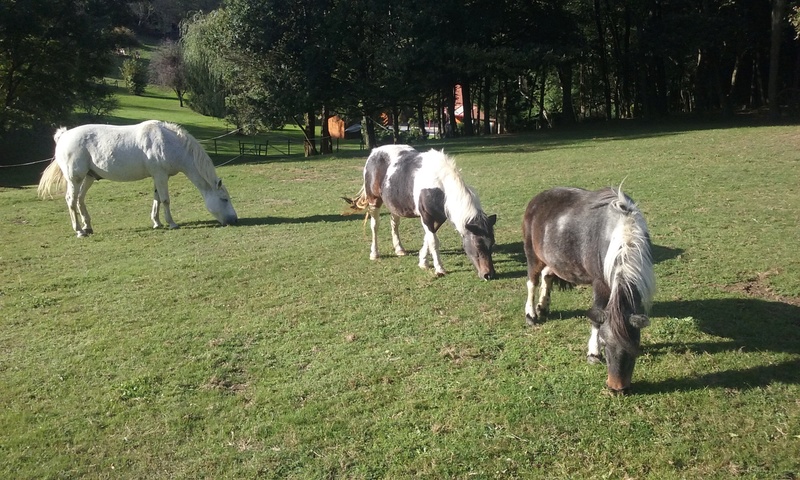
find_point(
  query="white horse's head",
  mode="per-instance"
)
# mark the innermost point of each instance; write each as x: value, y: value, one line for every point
x: 218, y: 202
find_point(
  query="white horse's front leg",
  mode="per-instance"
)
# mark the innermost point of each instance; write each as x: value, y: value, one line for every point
x: 154, y: 213
x: 374, y: 221
x: 161, y: 197
x: 71, y: 197
x: 398, y: 247
x: 84, y: 212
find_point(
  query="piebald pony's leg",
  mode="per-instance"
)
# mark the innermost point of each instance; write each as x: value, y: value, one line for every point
x: 431, y: 243
x: 374, y: 221
x: 161, y: 197
x: 84, y: 212
x: 398, y: 247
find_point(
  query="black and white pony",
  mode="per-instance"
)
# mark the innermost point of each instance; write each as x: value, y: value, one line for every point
x: 426, y: 185
x: 575, y: 236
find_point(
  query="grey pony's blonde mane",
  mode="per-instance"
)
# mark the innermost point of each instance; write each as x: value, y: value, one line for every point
x: 629, y: 261
x: 201, y: 159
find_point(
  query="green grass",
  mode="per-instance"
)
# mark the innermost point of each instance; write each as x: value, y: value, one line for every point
x: 277, y: 349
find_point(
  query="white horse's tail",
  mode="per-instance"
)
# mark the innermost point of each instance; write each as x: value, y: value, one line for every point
x: 58, y: 133
x: 628, y: 263
x: 52, y: 179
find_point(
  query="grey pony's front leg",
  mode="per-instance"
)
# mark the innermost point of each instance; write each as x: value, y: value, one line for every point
x: 597, y: 316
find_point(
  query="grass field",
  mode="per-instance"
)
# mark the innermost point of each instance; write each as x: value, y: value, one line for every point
x: 277, y: 349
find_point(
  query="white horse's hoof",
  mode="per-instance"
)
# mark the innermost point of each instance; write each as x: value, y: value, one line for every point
x: 400, y: 252
x: 440, y: 273
x: 373, y: 256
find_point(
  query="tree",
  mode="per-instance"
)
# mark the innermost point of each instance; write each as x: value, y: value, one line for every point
x: 134, y: 73
x: 167, y: 68
x: 52, y: 53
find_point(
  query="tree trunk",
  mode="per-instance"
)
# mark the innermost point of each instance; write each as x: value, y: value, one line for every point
x: 487, y: 122
x: 778, y: 7
x: 368, y: 132
x: 564, y: 70
x: 466, y: 103
x: 395, y: 125
x: 310, y: 144
x: 421, y: 119
x: 601, y: 49
x: 326, y: 143
x: 451, y: 130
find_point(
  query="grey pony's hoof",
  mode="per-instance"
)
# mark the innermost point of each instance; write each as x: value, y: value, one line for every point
x: 532, y: 321
x: 594, y: 359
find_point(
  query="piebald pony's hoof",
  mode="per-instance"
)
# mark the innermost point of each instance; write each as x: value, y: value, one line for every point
x: 531, y: 321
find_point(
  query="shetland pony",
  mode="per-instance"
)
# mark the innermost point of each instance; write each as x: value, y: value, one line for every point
x: 126, y: 153
x: 426, y: 185
x: 575, y: 236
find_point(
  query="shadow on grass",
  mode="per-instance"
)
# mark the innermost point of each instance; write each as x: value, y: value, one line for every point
x: 751, y: 325
x: 253, y: 221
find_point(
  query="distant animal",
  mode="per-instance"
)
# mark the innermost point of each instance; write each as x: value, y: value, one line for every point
x: 574, y: 236
x: 426, y: 185
x: 126, y: 153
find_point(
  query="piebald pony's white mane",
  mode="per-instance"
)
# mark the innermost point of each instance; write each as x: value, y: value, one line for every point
x: 628, y: 260
x: 461, y: 202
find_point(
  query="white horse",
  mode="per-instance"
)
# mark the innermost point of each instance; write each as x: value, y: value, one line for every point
x: 126, y: 153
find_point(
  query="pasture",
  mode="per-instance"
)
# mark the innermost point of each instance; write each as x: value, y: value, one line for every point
x: 277, y: 349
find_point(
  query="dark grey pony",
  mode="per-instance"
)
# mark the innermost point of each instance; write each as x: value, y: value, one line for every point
x: 426, y: 185
x: 575, y: 236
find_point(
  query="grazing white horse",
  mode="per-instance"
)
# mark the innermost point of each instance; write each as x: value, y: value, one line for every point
x: 126, y: 153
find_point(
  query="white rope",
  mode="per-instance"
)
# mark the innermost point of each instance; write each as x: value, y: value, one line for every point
x: 26, y: 164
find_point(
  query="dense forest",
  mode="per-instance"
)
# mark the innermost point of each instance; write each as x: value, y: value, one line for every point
x: 521, y: 64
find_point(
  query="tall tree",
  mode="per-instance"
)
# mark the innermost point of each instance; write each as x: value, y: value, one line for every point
x: 52, y: 52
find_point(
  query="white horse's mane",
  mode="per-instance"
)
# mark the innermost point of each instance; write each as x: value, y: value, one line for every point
x: 204, y: 164
x: 461, y: 202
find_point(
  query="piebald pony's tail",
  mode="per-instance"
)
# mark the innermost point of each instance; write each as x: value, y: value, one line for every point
x: 628, y: 265
x: 359, y: 202
x: 52, y: 177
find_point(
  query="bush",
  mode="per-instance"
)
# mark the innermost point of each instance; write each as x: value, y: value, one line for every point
x: 134, y: 73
